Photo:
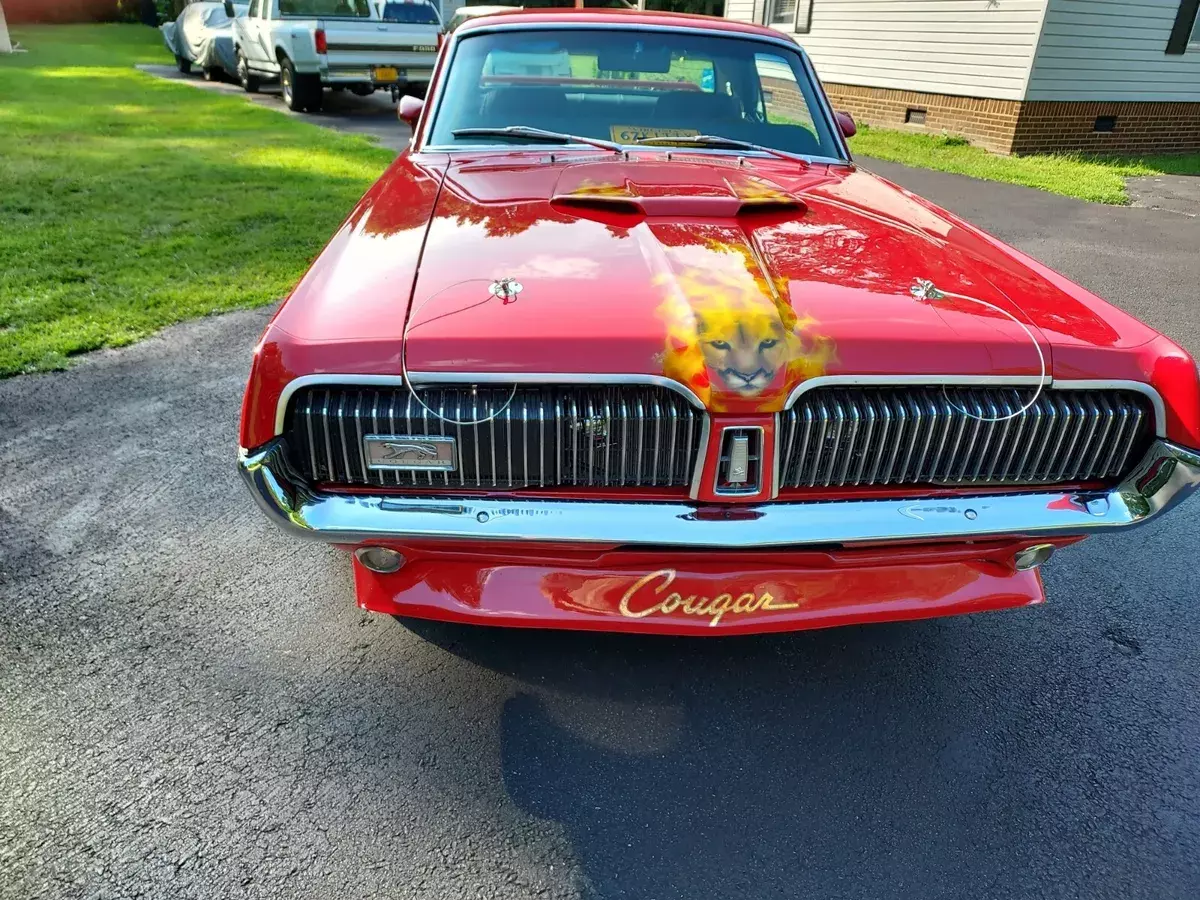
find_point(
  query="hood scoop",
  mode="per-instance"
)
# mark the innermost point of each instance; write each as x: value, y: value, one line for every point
x: 669, y: 189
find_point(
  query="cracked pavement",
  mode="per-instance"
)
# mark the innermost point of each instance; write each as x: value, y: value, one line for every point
x: 191, y: 706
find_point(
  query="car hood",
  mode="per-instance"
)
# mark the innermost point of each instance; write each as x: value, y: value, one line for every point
x: 734, y: 282
x: 739, y: 279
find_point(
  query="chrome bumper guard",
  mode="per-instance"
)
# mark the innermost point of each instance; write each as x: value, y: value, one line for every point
x: 1166, y: 475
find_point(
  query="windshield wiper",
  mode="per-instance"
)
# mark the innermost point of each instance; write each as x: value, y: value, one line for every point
x: 716, y: 140
x: 536, y: 134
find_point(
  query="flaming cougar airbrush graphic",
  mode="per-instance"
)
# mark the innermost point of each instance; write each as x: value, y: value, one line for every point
x: 732, y: 336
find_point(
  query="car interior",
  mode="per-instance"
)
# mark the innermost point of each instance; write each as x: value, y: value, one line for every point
x: 575, y: 111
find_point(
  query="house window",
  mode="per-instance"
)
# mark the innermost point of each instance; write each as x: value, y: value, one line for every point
x: 792, y: 15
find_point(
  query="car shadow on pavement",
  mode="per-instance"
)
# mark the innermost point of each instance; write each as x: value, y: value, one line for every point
x: 857, y: 761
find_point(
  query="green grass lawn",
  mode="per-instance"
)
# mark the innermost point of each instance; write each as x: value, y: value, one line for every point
x: 129, y: 202
x: 1099, y: 179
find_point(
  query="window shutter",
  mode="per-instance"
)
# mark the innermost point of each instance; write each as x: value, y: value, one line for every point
x: 760, y: 12
x: 1185, y: 19
x: 803, y: 16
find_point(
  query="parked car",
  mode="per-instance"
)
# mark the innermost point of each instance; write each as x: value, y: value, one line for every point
x: 410, y: 12
x: 312, y: 44
x: 202, y: 36
x: 641, y: 348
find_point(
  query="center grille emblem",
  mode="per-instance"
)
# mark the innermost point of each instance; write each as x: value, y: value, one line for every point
x: 410, y: 452
x: 739, y: 469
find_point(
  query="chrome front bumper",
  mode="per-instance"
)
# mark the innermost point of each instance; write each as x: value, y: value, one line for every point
x: 1166, y: 475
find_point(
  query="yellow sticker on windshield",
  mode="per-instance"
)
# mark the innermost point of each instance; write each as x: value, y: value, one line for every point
x: 631, y: 134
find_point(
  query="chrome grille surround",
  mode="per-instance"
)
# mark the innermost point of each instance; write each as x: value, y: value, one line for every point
x: 838, y: 436
x: 569, y: 435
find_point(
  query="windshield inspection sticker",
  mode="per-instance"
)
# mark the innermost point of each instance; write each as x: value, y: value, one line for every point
x: 631, y: 134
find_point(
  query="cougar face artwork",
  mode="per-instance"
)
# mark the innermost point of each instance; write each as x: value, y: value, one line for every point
x: 732, y: 336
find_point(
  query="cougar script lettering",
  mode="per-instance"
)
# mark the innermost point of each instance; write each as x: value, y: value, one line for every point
x: 645, y: 598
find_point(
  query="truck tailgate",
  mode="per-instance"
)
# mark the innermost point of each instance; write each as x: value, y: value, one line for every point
x: 377, y: 43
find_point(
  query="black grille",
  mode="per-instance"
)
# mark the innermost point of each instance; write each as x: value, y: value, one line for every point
x: 547, y: 436
x: 927, y: 435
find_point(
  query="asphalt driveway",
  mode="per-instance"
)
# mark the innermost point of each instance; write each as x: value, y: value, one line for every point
x: 191, y: 705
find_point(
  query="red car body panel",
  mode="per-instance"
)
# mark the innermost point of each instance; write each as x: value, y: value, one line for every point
x: 844, y: 256
x: 602, y: 588
x: 619, y: 258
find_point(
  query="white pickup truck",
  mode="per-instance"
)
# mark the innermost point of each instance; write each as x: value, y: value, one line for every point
x: 361, y: 45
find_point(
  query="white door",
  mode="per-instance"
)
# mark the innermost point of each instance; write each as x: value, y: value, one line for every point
x: 254, y: 45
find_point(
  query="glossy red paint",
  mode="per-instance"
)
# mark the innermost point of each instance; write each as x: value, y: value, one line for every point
x: 622, y: 17
x: 828, y: 259
x: 738, y: 278
x: 599, y: 588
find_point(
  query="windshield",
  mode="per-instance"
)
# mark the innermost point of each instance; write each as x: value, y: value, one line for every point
x: 624, y: 85
x: 345, y: 9
x: 409, y: 13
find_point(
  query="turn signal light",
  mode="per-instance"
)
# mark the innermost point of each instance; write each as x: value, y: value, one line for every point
x: 383, y: 560
x: 322, y: 44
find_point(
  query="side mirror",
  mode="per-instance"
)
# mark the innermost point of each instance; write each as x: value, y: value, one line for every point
x: 230, y: 12
x: 846, y: 124
x: 409, y: 110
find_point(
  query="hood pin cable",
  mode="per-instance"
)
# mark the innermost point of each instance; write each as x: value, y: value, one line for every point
x: 925, y: 291
x: 505, y: 290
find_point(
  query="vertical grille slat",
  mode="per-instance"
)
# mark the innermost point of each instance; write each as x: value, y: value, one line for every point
x: 822, y: 416
x: 868, y: 414
x: 312, y: 444
x: 541, y: 411
x: 1095, y: 423
x: 899, y: 421
x: 991, y: 412
x: 847, y: 453
x: 591, y: 444
x: 1122, y: 445
x: 494, y: 472
x: 837, y: 436
x: 834, y: 443
x: 328, y: 461
x: 654, y: 412
x: 885, y: 425
x: 998, y: 470
x: 673, y: 431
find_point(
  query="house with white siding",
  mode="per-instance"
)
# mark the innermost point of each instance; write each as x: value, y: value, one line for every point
x: 1015, y: 76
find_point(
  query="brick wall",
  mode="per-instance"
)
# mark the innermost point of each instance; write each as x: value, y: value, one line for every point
x: 988, y: 123
x: 785, y: 99
x: 1140, y: 127
x: 1011, y: 126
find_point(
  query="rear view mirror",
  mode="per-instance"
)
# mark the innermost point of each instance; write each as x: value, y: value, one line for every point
x: 846, y: 124
x: 409, y: 110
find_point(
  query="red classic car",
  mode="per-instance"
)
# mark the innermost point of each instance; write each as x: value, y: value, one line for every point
x: 625, y: 340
